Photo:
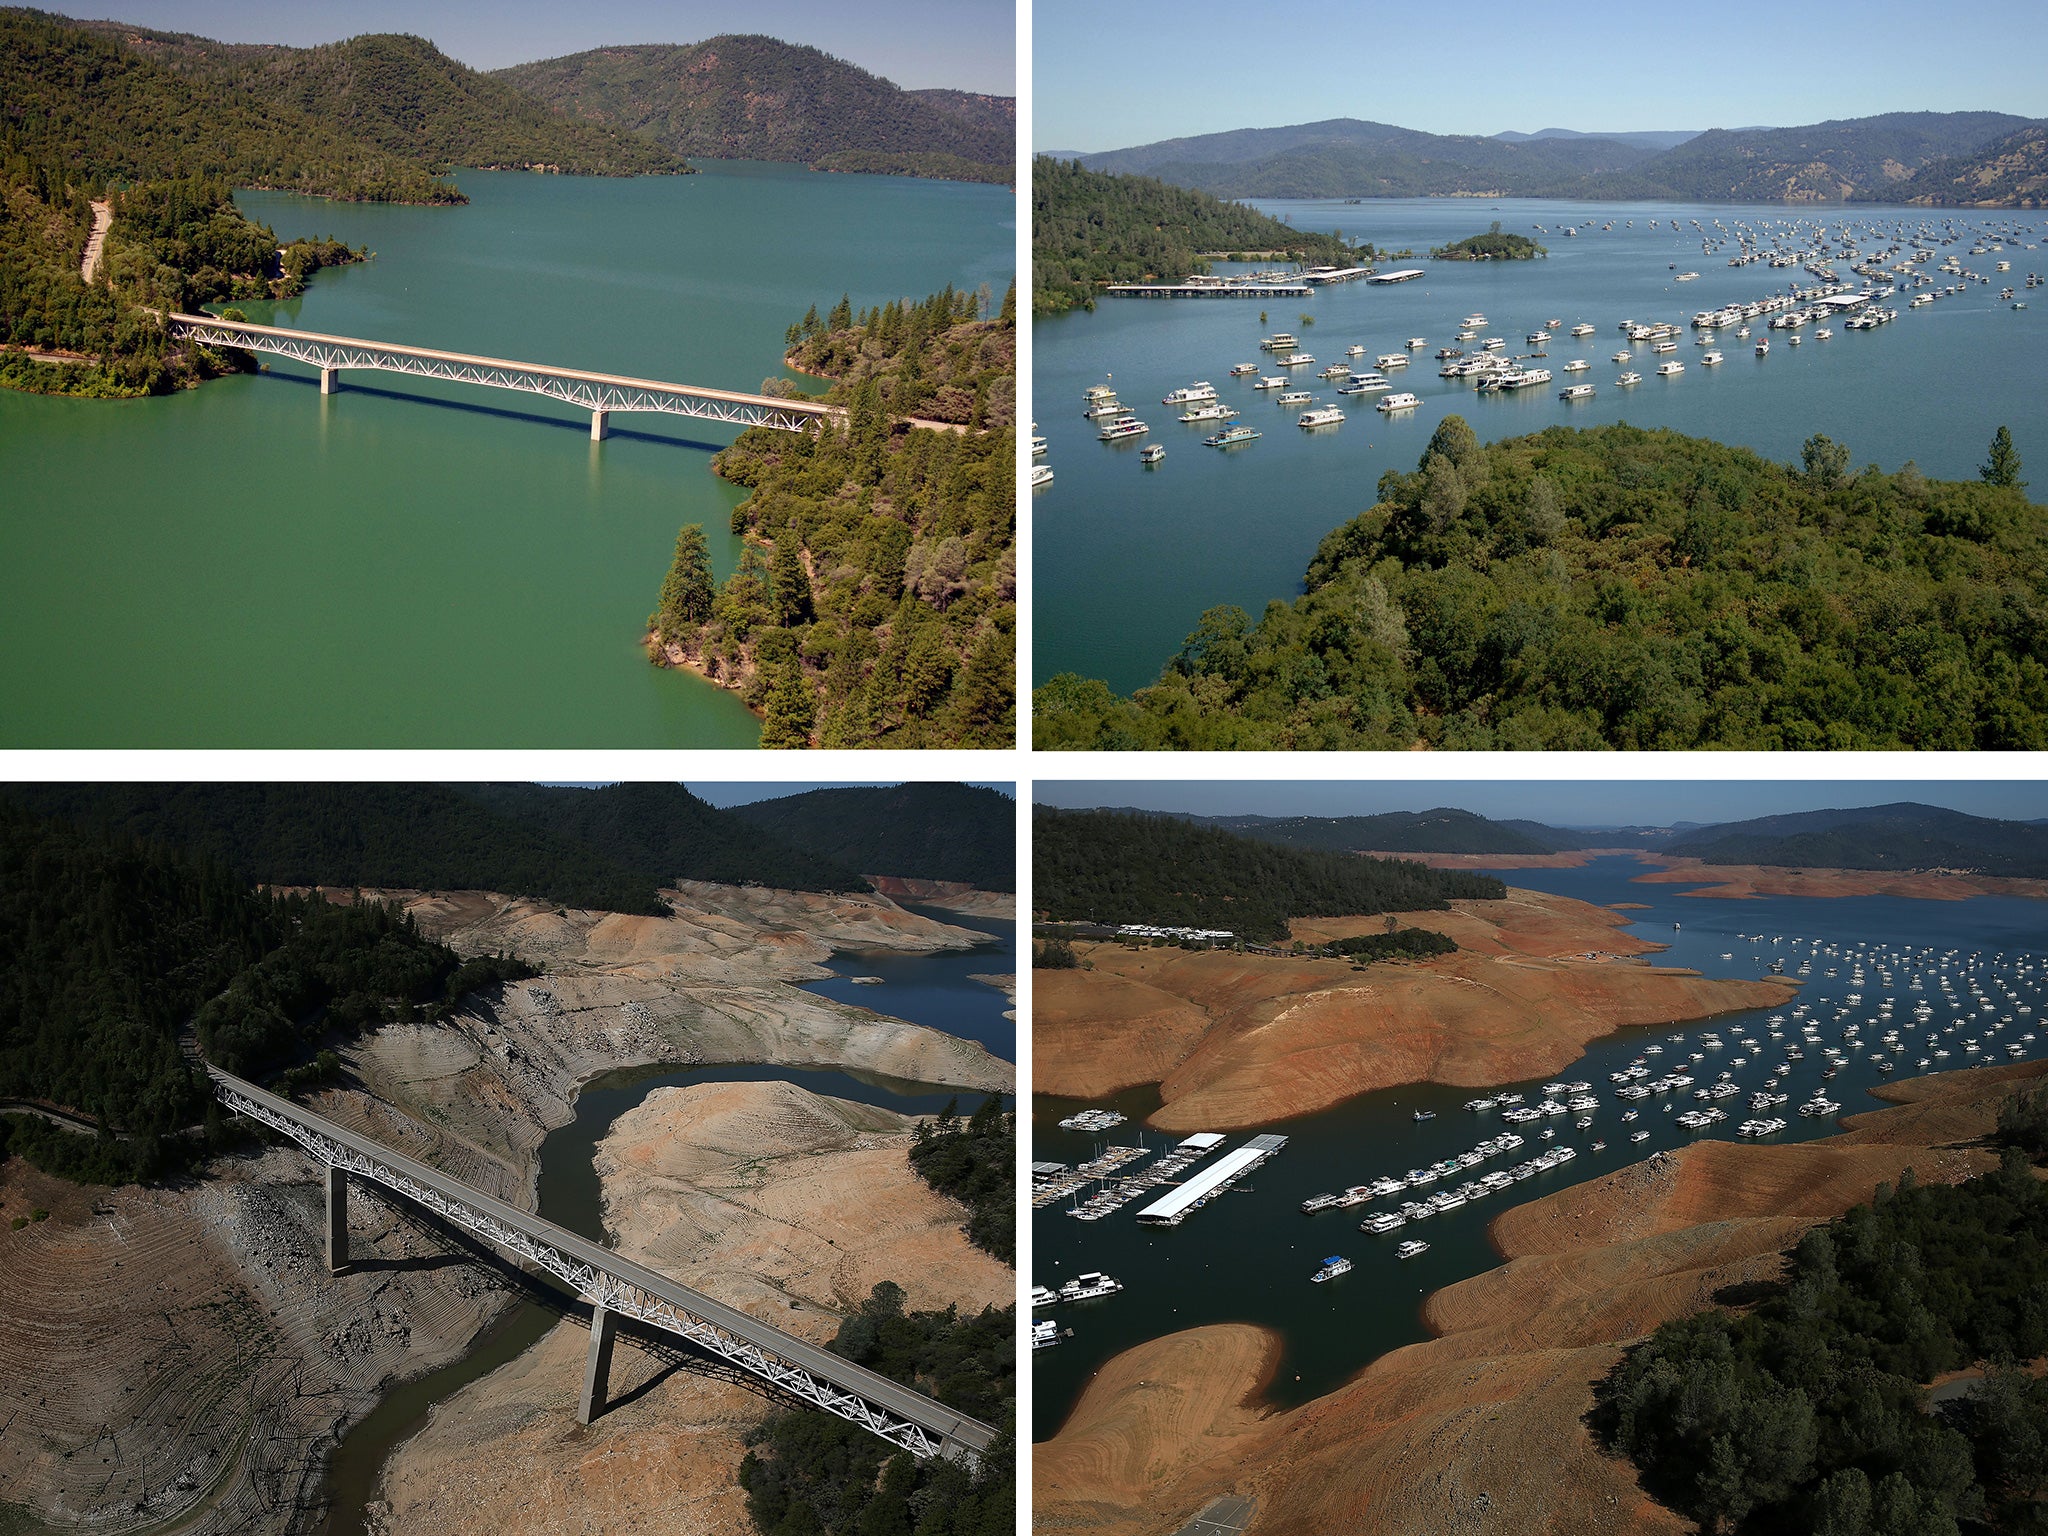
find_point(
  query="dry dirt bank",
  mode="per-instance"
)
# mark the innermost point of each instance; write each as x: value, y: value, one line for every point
x: 950, y: 894
x: 1238, y: 1040
x: 146, y: 1322
x: 1745, y: 880
x: 773, y: 1199
x: 1494, y: 1404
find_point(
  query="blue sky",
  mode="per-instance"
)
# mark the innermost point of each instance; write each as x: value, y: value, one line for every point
x: 1569, y: 803
x: 968, y: 45
x: 1107, y: 77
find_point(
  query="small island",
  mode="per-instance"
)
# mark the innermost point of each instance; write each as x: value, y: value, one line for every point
x: 1491, y: 246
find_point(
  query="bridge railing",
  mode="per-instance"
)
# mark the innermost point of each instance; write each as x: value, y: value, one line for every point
x: 599, y: 393
x: 883, y: 1407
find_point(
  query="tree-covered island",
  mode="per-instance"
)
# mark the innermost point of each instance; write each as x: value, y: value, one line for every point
x: 1491, y: 246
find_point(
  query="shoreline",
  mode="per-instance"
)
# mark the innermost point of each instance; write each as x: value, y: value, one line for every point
x: 1752, y: 881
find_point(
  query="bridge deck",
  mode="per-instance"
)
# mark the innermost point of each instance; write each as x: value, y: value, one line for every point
x: 579, y: 386
x: 870, y: 1385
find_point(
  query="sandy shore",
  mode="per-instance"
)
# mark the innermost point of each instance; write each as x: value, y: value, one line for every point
x: 1241, y: 1040
x: 179, y: 1308
x: 775, y: 1200
x: 950, y: 894
x: 1493, y: 1405
x: 1737, y: 881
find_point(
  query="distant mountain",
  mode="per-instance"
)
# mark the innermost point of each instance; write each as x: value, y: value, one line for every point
x: 403, y: 96
x: 1110, y: 867
x: 1347, y: 157
x: 1866, y: 159
x: 608, y: 849
x: 1901, y: 836
x: 757, y: 98
x: 2009, y: 172
x: 1652, y: 139
x: 912, y: 831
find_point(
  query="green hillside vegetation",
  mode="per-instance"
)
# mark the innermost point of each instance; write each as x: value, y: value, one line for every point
x: 1089, y: 228
x: 402, y: 96
x: 1439, y: 831
x: 875, y: 601
x: 812, y: 1473
x: 607, y: 849
x: 664, y: 829
x: 927, y: 165
x: 936, y: 359
x: 757, y: 98
x: 913, y: 831
x: 109, y: 945
x: 1112, y: 867
x: 1878, y: 837
x: 974, y: 1161
x: 1491, y: 246
x: 1805, y: 1413
x: 1620, y: 588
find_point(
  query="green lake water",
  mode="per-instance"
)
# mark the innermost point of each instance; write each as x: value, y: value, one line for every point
x: 408, y: 564
x: 1127, y: 557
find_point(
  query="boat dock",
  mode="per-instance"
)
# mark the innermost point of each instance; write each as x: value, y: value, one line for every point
x: 1172, y: 1209
x: 1401, y: 276
x: 1321, y: 275
x: 1210, y: 290
x: 1059, y: 1185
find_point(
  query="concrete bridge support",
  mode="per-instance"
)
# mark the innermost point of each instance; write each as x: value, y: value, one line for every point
x: 337, y: 1219
x: 599, y: 430
x: 604, y: 1330
x: 328, y: 380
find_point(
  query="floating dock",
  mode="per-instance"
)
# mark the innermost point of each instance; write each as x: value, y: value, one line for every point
x: 1401, y: 276
x: 1210, y: 290
x: 1337, y: 274
x: 1232, y: 1166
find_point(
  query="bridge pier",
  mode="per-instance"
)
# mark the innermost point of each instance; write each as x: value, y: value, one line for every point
x: 598, y: 429
x: 337, y: 1219
x: 604, y: 1329
x: 327, y: 380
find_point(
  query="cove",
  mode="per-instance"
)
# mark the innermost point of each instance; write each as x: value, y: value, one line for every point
x: 407, y: 564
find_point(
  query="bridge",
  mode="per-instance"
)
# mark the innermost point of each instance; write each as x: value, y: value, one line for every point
x: 599, y: 393
x: 615, y: 1286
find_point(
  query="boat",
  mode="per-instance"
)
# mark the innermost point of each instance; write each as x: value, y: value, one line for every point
x: 1152, y: 453
x: 1097, y: 392
x: 1109, y: 405
x: 1042, y: 1296
x: 1044, y: 1334
x: 1639, y: 1136
x: 1577, y: 392
x: 1041, y: 474
x: 1537, y: 338
x: 1401, y: 402
x: 1417, y: 341
x: 1037, y: 445
x: 1388, y: 360
x: 1670, y: 369
x: 1582, y: 329
x: 1577, y: 365
x: 1236, y: 432
x: 1215, y: 410
x: 1294, y: 360
x: 1190, y: 395
x: 1710, y: 359
x: 1122, y: 427
x: 1086, y: 1287
x: 1321, y: 416
x: 1410, y: 1249
x: 1279, y: 341
x: 1364, y: 384
x: 1243, y: 369
x: 1621, y: 357
x: 1763, y: 346
x: 1336, y: 1264
x: 1297, y: 397
x: 1385, y: 1221
x: 1356, y: 349
x: 1271, y: 383
x: 1425, y: 1114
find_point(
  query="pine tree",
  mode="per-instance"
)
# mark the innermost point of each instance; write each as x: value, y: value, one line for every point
x: 2003, y: 467
x: 790, y: 585
x: 841, y: 317
x: 687, y: 593
x: 788, y: 708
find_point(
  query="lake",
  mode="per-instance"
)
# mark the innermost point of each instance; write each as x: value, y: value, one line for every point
x: 1127, y: 557
x: 410, y: 564
x: 1247, y: 1255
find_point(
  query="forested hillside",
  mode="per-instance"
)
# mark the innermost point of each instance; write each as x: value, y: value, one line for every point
x: 609, y: 849
x: 913, y: 831
x: 1621, y: 588
x: 110, y: 945
x: 1904, y: 836
x: 1088, y: 228
x: 1116, y: 867
x: 1439, y: 831
x: 757, y: 98
x: 2009, y: 172
x: 403, y: 96
x: 1807, y: 1413
x: 875, y: 603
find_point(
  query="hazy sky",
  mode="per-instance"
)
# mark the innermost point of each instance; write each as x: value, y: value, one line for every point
x: 969, y: 45
x: 1107, y: 77
x: 1584, y: 803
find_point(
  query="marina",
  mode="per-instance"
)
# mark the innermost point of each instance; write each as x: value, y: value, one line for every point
x: 1963, y: 978
x: 1913, y: 384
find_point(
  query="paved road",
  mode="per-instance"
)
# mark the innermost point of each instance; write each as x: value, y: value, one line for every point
x: 1224, y: 1517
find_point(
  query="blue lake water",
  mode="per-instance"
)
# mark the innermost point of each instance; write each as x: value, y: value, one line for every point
x: 1248, y: 1254
x: 937, y: 990
x: 1127, y: 557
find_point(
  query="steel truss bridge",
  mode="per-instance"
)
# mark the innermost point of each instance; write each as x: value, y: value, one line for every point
x: 598, y: 393
x: 616, y: 1286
